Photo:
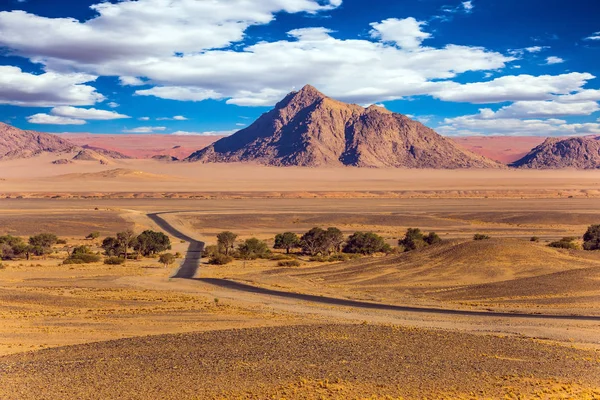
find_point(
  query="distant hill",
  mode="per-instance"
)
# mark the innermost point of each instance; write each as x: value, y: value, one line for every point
x: 310, y: 129
x: 16, y: 143
x: 555, y: 153
x: 504, y: 149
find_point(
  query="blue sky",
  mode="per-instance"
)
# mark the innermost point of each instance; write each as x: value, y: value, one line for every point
x: 479, y: 67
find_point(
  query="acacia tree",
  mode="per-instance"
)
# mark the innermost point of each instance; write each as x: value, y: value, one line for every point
x: 591, y: 238
x: 226, y: 241
x: 366, y: 243
x: 41, y: 244
x: 287, y: 241
x: 150, y: 242
x: 126, y: 240
x: 334, y: 238
x: 166, y: 259
x: 252, y: 248
x: 312, y: 241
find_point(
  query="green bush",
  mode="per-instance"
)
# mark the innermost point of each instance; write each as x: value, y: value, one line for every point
x: 289, y: 263
x: 61, y: 241
x: 252, y: 249
x: 82, y: 255
x: 591, y: 238
x: 318, y: 259
x: 114, y: 261
x: 565, y: 243
x: 366, y: 243
x: 220, y: 259
x: 278, y: 257
x: 479, y: 236
x: 534, y: 239
x: 337, y: 257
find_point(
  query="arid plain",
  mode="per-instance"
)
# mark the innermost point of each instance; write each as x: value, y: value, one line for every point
x: 463, y: 319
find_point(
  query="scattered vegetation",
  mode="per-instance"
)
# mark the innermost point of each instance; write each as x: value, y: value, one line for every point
x: 289, y: 263
x: 414, y: 239
x: 565, y: 243
x: 114, y: 261
x: 82, y: 255
x: 93, y: 236
x: 366, y: 243
x: 534, y: 239
x: 220, y: 259
x: 480, y: 236
x: 287, y: 241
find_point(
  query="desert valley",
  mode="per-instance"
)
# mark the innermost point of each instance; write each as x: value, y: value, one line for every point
x: 282, y: 262
x: 299, y: 200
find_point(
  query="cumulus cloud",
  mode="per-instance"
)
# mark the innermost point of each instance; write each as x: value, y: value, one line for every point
x: 406, y: 33
x: 475, y: 125
x: 46, y: 90
x: 180, y: 93
x: 146, y: 129
x: 131, y: 81
x: 513, y: 88
x: 468, y: 6
x: 86, y: 113
x: 47, y: 119
x: 554, y: 60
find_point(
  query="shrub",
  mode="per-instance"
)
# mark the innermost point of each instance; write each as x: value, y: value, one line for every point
x: 413, y: 240
x: 253, y: 248
x: 82, y: 255
x: 166, y: 259
x: 278, y: 257
x: 318, y: 259
x: 432, y: 238
x: 565, y: 243
x: 479, y: 236
x: 114, y: 261
x: 289, y: 263
x: 61, y: 241
x: 178, y: 255
x: 220, y: 259
x: 366, y: 243
x: 149, y: 243
x: 534, y: 239
x: 93, y: 236
x: 337, y: 257
x: 209, y: 251
x: 591, y: 238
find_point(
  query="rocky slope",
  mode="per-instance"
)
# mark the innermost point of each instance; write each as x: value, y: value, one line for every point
x: 555, y: 153
x: 16, y: 143
x: 309, y: 129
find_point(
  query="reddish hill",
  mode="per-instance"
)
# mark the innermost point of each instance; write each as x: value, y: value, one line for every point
x: 554, y: 153
x: 308, y: 128
x: 505, y: 149
x: 143, y: 146
x: 16, y: 143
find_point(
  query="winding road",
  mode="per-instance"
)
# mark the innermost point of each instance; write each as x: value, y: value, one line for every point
x: 191, y: 263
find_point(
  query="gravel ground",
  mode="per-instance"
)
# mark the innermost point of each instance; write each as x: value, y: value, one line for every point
x: 305, y: 362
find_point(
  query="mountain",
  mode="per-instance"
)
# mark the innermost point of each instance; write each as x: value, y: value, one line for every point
x: 554, y: 153
x: 310, y: 129
x: 91, y: 155
x: 16, y: 143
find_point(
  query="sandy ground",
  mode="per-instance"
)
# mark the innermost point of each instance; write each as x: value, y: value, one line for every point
x: 45, y: 306
x: 505, y: 149
x: 137, y: 178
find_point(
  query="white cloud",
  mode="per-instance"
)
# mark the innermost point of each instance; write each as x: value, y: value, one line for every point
x: 594, y: 36
x: 146, y: 129
x: 53, y: 120
x: 112, y: 104
x: 180, y: 93
x: 475, y: 125
x: 541, y: 109
x: 406, y: 33
x: 208, y: 133
x: 513, y: 88
x: 180, y: 118
x: 86, y: 113
x: 131, y: 81
x: 46, y: 90
x: 536, y: 49
x: 554, y: 60
x: 144, y: 118
x: 468, y: 6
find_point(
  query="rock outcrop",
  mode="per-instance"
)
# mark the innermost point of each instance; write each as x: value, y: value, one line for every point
x: 16, y: 143
x: 555, y: 153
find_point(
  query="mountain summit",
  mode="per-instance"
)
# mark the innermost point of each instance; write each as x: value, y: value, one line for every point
x: 310, y: 129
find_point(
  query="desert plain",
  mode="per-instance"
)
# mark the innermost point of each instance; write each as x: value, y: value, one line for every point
x: 500, y: 318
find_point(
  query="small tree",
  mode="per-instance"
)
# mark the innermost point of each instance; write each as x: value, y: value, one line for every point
x: 413, y: 240
x: 313, y: 241
x: 166, y: 259
x: 287, y: 241
x: 226, y: 241
x: 334, y: 238
x: 591, y: 238
x: 126, y: 240
x: 111, y: 247
x: 149, y: 243
x: 565, y: 243
x: 46, y: 240
x: 366, y: 243
x: 93, y: 236
x: 252, y: 248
